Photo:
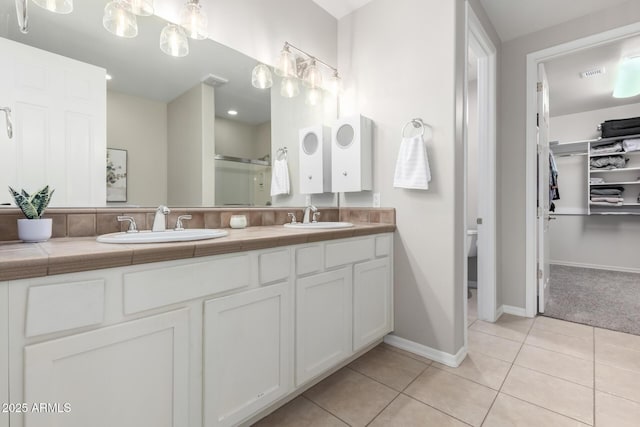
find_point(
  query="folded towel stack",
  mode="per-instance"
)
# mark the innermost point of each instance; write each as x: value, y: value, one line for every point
x: 631, y: 144
x: 608, y: 162
x: 616, y: 147
x: 596, y: 180
x: 607, y: 196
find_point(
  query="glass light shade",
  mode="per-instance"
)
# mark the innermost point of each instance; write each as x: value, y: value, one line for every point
x: 289, y: 87
x: 628, y: 80
x: 314, y: 96
x: 119, y: 20
x: 140, y: 7
x: 173, y: 41
x: 261, y: 77
x: 194, y: 21
x: 57, y: 6
x: 312, y: 76
x: 286, y: 64
x: 334, y: 85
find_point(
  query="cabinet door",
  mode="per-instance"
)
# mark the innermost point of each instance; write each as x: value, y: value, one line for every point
x: 371, y: 302
x: 248, y: 350
x: 132, y: 374
x: 323, y: 321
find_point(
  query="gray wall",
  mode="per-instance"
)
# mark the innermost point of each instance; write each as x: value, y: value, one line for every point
x: 511, y: 139
x: 238, y: 139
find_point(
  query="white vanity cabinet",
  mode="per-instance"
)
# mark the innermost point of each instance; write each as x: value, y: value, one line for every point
x: 372, y: 300
x: 248, y: 343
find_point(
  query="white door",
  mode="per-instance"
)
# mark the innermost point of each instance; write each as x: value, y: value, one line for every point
x: 128, y: 375
x: 371, y: 302
x: 248, y: 353
x: 323, y: 322
x: 543, y: 188
x: 4, y: 353
x: 59, y: 113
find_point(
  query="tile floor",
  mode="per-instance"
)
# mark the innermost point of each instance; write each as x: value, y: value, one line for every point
x: 519, y: 372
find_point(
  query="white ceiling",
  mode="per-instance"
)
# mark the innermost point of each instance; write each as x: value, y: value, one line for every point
x: 137, y: 65
x: 515, y: 18
x: 340, y: 8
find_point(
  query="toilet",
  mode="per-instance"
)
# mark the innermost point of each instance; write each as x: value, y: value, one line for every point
x: 472, y: 243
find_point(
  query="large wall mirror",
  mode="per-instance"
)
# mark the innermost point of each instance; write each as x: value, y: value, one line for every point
x: 179, y: 117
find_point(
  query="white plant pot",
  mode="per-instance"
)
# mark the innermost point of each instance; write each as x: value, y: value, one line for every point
x: 34, y: 230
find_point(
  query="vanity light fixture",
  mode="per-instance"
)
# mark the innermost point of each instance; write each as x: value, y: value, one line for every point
x: 261, y: 77
x: 56, y: 6
x: 173, y: 41
x: 108, y: 77
x: 314, y: 96
x: 628, y: 79
x: 286, y: 64
x: 335, y: 84
x: 194, y: 20
x: 119, y: 20
x: 312, y: 76
x: 140, y: 7
x: 289, y: 87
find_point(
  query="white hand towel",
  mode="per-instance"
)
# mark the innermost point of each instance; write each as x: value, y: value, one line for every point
x: 280, y: 177
x: 412, y: 166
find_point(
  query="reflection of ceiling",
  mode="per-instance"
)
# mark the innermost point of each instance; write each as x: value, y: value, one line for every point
x: 569, y: 93
x: 340, y: 8
x: 515, y: 18
x: 137, y: 65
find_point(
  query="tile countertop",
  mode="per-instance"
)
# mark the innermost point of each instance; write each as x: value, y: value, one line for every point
x: 72, y: 254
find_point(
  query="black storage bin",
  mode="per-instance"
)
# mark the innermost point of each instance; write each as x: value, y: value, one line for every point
x: 622, y: 127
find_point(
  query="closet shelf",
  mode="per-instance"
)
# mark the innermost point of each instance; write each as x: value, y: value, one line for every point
x: 597, y: 142
x: 617, y: 183
x: 620, y: 153
x: 613, y: 170
x: 596, y: 205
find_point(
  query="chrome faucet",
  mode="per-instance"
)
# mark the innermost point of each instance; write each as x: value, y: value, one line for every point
x: 159, y: 223
x: 307, y: 211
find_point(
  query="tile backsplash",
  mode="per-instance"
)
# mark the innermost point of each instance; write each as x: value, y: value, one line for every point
x: 85, y: 222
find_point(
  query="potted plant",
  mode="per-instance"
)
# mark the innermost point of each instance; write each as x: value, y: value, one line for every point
x: 34, y: 228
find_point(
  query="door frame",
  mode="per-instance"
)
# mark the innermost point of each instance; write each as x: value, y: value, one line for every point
x: 479, y: 41
x: 533, y: 59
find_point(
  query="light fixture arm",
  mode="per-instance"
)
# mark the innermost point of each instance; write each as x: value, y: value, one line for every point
x: 310, y: 57
x: 23, y: 15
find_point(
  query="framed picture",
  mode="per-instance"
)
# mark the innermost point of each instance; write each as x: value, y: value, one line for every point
x: 116, y: 175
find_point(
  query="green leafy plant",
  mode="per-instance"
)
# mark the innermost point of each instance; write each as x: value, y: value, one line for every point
x: 32, y: 206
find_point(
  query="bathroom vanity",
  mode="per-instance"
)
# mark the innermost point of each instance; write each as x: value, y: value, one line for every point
x: 217, y: 338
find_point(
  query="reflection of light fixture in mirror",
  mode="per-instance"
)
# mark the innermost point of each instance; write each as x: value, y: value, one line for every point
x: 289, y: 87
x: 232, y: 112
x: 173, y: 41
x: 286, y: 64
x: 312, y: 77
x: 119, y: 20
x: 140, y: 7
x: 628, y: 79
x: 194, y: 20
x: 57, y: 6
x: 314, y: 96
x: 261, y: 77
x: 108, y: 77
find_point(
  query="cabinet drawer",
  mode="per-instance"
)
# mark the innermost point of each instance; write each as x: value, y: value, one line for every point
x: 274, y: 266
x: 383, y: 245
x: 64, y: 306
x: 348, y: 252
x: 308, y: 260
x: 148, y: 289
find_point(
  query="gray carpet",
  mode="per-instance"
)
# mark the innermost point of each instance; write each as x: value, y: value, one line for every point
x: 602, y: 298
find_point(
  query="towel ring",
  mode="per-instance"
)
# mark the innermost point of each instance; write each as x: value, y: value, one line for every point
x: 281, y: 153
x: 417, y: 123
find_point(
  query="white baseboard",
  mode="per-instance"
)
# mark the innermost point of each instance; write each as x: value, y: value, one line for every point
x: 596, y: 266
x: 452, y: 360
x: 510, y: 309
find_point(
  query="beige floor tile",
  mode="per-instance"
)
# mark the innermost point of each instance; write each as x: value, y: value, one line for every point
x: 407, y: 353
x: 471, y: 321
x: 407, y: 412
x: 388, y: 367
x: 563, y: 327
x: 612, y: 411
x: 480, y: 368
x: 618, y: 381
x: 454, y: 395
x: 620, y: 339
x: 300, y: 412
x: 552, y: 393
x: 493, y: 346
x: 508, y: 326
x: 559, y: 365
x: 620, y: 357
x: 351, y: 396
x: 573, y: 346
x: 508, y: 411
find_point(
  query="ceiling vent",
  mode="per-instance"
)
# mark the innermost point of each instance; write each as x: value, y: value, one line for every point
x: 592, y: 73
x: 213, y: 80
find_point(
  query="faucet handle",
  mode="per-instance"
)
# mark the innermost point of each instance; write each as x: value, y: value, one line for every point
x: 132, y: 223
x: 315, y: 216
x: 293, y: 217
x: 179, y: 226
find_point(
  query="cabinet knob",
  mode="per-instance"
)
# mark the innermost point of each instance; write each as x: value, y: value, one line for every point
x: 344, y: 173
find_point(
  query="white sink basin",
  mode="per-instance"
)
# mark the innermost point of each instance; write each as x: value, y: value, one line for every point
x: 162, y: 236
x: 319, y: 225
